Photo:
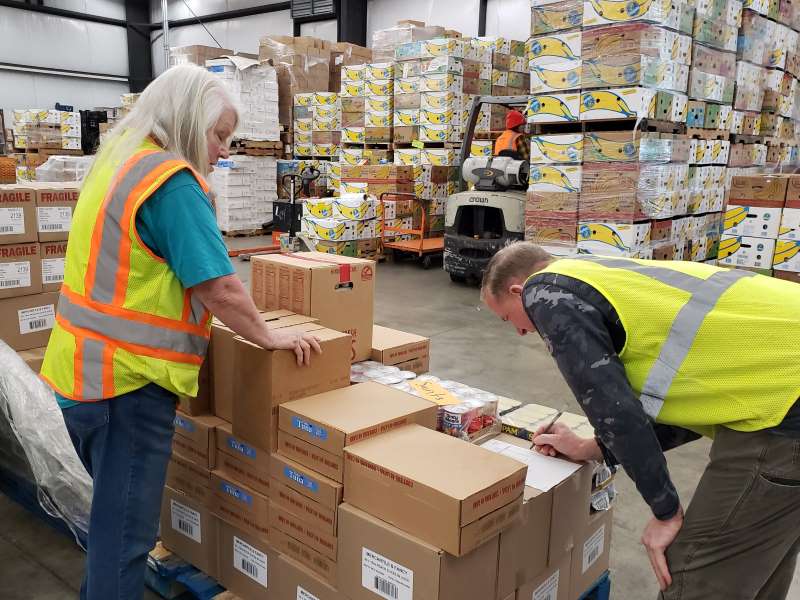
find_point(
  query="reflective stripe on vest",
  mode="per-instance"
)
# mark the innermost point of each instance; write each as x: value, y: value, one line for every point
x: 705, y: 293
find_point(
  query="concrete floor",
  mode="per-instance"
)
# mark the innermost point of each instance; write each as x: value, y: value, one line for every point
x: 468, y: 344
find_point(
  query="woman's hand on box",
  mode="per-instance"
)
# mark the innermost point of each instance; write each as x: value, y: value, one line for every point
x: 302, y: 344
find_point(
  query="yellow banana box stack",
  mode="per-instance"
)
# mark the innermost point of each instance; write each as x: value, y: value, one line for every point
x: 367, y: 96
x: 317, y: 125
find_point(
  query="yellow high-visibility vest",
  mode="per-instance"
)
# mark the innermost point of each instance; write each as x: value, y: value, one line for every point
x: 124, y: 320
x: 704, y: 346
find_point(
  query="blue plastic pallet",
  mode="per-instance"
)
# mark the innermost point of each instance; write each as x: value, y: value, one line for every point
x: 172, y: 577
x: 600, y: 590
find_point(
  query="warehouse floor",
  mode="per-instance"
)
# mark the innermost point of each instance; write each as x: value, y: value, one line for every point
x: 469, y: 345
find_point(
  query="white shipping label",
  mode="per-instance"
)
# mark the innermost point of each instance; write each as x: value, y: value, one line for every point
x: 15, y: 275
x: 250, y: 561
x: 385, y: 577
x: 53, y: 270
x: 303, y: 594
x: 186, y: 521
x: 54, y: 218
x: 593, y: 548
x: 38, y: 318
x: 12, y: 221
x: 548, y: 590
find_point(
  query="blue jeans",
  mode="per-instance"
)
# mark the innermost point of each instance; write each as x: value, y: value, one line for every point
x: 125, y: 444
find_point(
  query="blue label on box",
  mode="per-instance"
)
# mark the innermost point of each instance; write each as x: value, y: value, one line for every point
x: 237, y: 493
x: 216, y: 69
x: 241, y: 447
x: 306, y: 482
x: 310, y: 428
x: 184, y: 424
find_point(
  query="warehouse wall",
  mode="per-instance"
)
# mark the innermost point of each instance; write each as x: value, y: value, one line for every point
x: 509, y: 18
x: 240, y: 35
x: 47, y: 41
x: 325, y: 30
x: 462, y: 16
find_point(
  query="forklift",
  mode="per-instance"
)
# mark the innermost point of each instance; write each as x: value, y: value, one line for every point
x: 482, y: 220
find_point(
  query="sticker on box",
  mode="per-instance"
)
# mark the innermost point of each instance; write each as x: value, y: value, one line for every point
x: 186, y: 521
x: 250, y: 561
x: 15, y: 275
x: 386, y: 578
x: 12, y: 221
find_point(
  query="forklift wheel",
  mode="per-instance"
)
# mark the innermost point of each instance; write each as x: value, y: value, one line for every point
x: 457, y: 278
x: 426, y: 262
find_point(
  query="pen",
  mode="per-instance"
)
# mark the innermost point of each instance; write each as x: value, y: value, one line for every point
x: 550, y: 425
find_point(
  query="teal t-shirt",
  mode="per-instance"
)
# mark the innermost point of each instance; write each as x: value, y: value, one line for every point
x: 178, y: 224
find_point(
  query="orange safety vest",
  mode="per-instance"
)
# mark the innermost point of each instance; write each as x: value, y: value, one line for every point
x: 123, y: 319
x: 506, y: 141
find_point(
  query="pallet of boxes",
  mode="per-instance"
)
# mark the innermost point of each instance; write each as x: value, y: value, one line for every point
x: 35, y: 221
x: 289, y: 482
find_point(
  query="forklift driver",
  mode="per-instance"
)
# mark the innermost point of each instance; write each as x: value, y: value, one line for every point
x: 513, y: 142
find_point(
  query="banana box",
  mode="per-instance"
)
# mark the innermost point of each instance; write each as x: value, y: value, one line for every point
x: 382, y: 70
x: 356, y: 207
x: 304, y: 99
x: 790, y: 224
x: 661, y: 12
x: 519, y: 64
x: 326, y: 112
x: 549, y: 17
x: 555, y: 178
x: 408, y: 51
x: 444, y: 64
x: 353, y: 187
x: 719, y: 151
x: 697, y: 152
x: 407, y: 85
x: 302, y: 137
x: 407, y: 156
x: 481, y: 148
x: 680, y: 108
x: 787, y: 256
x: 557, y: 75
x: 477, y: 87
x: 326, y: 99
x: 378, y: 103
x: 499, y: 77
x: 340, y: 248
x: 332, y: 230
x: 353, y: 89
x: 379, y: 87
x: 319, y: 208
x: 457, y: 47
x: 439, y: 133
x: 351, y: 156
x: 554, y: 48
x: 303, y: 125
x: 440, y: 117
x: 519, y: 80
x: 353, y: 135
x: 620, y: 103
x: 303, y: 112
x: 353, y: 119
x: 326, y: 150
x: 740, y: 251
x: 326, y: 124
x: 752, y: 221
x: 627, y: 70
x: 561, y: 148
x: 353, y: 72
x: 397, y: 209
x: 304, y: 150
x: 397, y: 223
x: 553, y: 108
x: 613, y: 239
x: 406, y: 117
x: 438, y: 101
x: 441, y: 83
x: 408, y: 101
x: 438, y: 156
x: 379, y: 119
x: 70, y: 129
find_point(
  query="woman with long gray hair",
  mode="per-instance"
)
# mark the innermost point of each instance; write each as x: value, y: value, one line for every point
x: 146, y: 267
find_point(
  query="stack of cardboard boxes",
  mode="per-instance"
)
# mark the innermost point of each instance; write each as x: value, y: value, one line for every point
x: 36, y: 129
x: 35, y: 221
x: 367, y: 96
x: 245, y: 189
x: 350, y: 224
x: 386, y: 41
x: 317, y: 125
x: 195, y: 55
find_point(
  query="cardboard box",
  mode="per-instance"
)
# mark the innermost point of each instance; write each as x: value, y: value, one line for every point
x: 379, y: 560
x: 320, y: 565
x: 590, y: 558
x: 239, y: 505
x: 309, y: 483
x: 33, y: 358
x: 412, y: 477
x: 241, y: 461
x: 759, y: 190
x: 553, y: 108
x: 194, y: 438
x: 787, y: 276
x: 304, y: 508
x: 268, y: 378
x: 28, y: 320
x: 739, y: 251
x: 20, y: 270
x: 553, y: 583
x: 247, y: 565
x: 190, y: 530
x: 338, y: 290
x: 752, y: 221
x: 17, y: 214
x: 221, y: 357
x: 53, y: 255
x: 793, y: 192
x: 188, y: 478
x: 787, y: 256
x: 304, y: 532
x: 333, y: 420
x: 55, y: 204
x: 311, y: 456
x: 395, y: 348
x: 790, y: 224
x: 296, y: 581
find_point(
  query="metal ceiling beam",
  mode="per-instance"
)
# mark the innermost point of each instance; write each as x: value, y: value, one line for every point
x: 60, y: 12
x: 482, y: 9
x: 224, y: 16
x: 351, y: 23
x: 140, y: 58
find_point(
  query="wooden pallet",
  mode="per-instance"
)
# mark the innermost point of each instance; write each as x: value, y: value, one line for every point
x: 257, y: 147
x: 243, y: 233
x: 624, y: 124
x: 171, y: 577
